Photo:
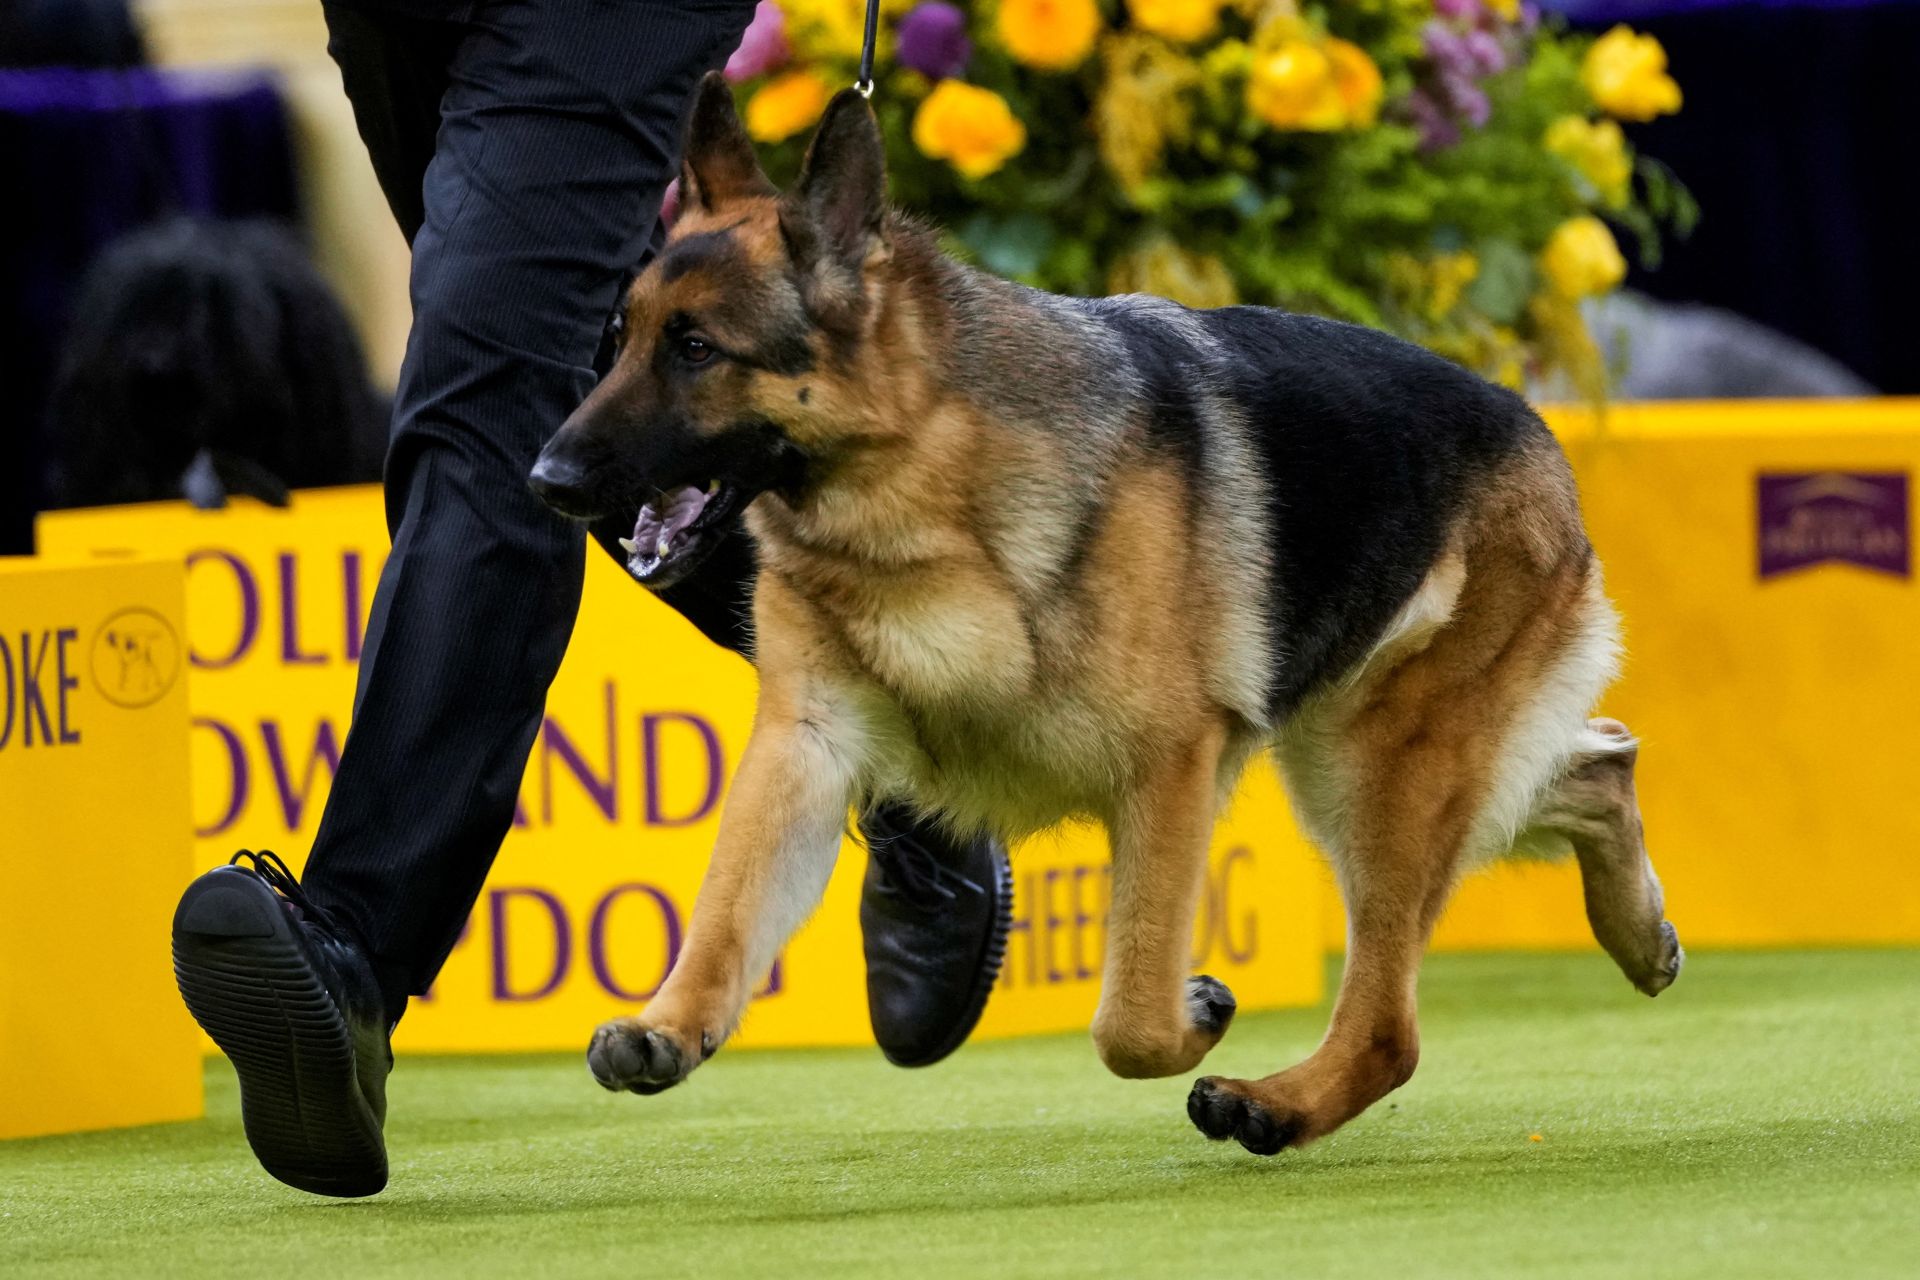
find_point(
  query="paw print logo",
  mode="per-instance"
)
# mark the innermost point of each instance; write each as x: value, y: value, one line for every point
x: 135, y: 658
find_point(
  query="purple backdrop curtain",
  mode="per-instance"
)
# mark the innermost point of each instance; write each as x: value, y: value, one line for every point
x: 89, y: 155
x: 1801, y: 139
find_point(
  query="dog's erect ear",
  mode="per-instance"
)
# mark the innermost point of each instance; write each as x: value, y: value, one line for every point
x: 719, y: 164
x: 843, y: 183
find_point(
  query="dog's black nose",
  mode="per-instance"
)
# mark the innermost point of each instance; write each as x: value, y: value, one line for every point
x: 561, y: 483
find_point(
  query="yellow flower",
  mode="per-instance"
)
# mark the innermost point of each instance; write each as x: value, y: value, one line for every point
x: 1356, y: 79
x: 786, y: 105
x: 1597, y: 150
x: 1227, y: 59
x: 1449, y: 275
x: 1627, y: 75
x: 1162, y: 267
x: 1292, y: 86
x: 1581, y: 258
x: 1142, y: 104
x: 1566, y: 346
x: 1183, y: 20
x: 825, y: 28
x: 1054, y: 35
x: 970, y: 128
x: 1505, y: 10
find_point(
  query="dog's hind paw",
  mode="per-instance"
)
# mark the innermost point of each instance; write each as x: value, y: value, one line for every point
x: 627, y: 1056
x: 1666, y: 968
x: 1220, y: 1113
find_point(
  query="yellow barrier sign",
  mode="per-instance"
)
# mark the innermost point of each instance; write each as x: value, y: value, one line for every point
x: 588, y: 902
x: 93, y: 789
x: 1761, y: 555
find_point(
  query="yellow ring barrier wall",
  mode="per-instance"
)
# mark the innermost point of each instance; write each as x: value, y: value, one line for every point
x: 93, y: 793
x: 590, y: 897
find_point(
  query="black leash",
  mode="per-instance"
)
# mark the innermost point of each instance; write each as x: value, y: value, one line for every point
x: 864, y: 85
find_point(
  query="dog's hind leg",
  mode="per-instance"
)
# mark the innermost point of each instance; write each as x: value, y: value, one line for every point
x: 1154, y: 1020
x: 1425, y: 759
x: 1396, y: 869
x: 1594, y: 809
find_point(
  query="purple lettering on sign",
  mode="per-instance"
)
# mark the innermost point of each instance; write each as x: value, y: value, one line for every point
x: 290, y: 651
x: 62, y: 682
x: 6, y: 660
x: 562, y: 936
x: 716, y: 767
x: 237, y: 762
x: 1848, y: 517
x: 249, y: 607
x: 602, y: 791
x: 1243, y: 950
x: 598, y: 949
x: 33, y: 700
x: 1051, y: 922
x: 1020, y: 928
x: 293, y: 803
x: 350, y: 592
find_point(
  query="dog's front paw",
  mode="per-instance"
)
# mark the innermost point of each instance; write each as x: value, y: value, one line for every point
x: 626, y: 1055
x: 1210, y: 1005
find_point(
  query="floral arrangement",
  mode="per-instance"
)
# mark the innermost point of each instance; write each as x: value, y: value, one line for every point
x: 1449, y: 170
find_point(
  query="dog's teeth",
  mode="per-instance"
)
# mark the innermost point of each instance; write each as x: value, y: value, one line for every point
x: 660, y: 551
x: 713, y: 487
x: 629, y: 546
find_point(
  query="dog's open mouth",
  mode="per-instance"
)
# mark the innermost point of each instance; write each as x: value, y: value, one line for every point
x: 675, y: 531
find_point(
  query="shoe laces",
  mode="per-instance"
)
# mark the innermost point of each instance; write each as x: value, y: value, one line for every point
x: 280, y: 878
x: 910, y: 868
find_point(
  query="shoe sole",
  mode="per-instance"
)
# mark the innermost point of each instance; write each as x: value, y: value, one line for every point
x: 247, y: 981
x: 988, y: 971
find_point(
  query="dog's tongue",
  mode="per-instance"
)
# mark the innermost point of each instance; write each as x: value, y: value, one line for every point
x: 657, y: 528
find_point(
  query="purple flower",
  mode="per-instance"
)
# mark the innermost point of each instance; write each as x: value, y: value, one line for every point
x: 1435, y: 122
x: 933, y: 40
x: 763, y: 47
x: 1484, y: 52
x: 1471, y: 102
x: 1447, y: 49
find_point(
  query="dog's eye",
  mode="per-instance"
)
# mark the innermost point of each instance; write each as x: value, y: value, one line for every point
x: 695, y: 350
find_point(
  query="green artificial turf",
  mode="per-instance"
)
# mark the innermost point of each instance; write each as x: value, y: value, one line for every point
x: 1757, y: 1120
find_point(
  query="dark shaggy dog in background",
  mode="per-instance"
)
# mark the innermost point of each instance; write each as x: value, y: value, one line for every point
x: 204, y: 359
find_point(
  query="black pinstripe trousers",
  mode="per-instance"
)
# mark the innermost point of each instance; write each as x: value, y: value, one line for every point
x: 524, y: 146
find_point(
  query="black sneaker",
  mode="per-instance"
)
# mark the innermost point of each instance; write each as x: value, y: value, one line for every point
x: 297, y: 1010
x: 934, y: 916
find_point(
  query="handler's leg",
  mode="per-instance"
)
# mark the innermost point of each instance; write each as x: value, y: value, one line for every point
x: 558, y: 131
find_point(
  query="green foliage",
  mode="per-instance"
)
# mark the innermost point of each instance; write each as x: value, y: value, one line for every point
x: 1192, y: 169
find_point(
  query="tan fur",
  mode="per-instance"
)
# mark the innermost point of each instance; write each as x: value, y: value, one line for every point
x: 915, y: 639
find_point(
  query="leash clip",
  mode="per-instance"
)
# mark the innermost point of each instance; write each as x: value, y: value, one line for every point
x: 864, y: 88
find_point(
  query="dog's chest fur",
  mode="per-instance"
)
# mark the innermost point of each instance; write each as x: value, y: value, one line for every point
x: 983, y: 693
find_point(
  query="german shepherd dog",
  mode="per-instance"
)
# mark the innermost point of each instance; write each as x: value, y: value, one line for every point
x: 1025, y: 557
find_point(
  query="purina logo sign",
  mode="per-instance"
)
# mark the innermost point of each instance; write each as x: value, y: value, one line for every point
x: 1845, y: 517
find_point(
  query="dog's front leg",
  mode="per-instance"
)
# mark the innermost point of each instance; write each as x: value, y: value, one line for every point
x: 779, y: 836
x: 1154, y: 1020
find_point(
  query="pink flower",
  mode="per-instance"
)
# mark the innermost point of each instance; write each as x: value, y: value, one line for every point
x: 763, y: 47
x: 1462, y: 9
